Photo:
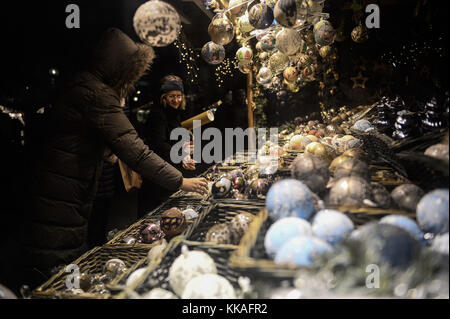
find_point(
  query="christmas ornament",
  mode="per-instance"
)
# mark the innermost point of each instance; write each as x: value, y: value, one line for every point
x: 363, y: 126
x: 221, y: 188
x: 244, y: 55
x: 406, y: 125
x: 208, y: 286
x: 260, y: 15
x: 349, y: 191
x: 213, y: 53
x: 407, y: 196
x: 173, y: 222
x: 219, y: 234
x: 258, y: 188
x: 264, y: 75
x: 268, y: 42
x: 338, y: 161
x: 159, y: 293
x: 440, y: 244
x: 320, y: 150
x: 157, y: 23
x: 278, y: 62
x: 359, y: 81
x: 282, y: 231
x: 240, y: 224
x: 244, y: 24
x: 331, y: 226
x: 324, y: 51
x: 288, y: 41
x: 151, y: 233
x: 245, y: 68
x: 303, y: 251
x: 290, y: 73
x: 439, y: 151
x: 188, y: 265
x: 405, y: 223
x: 238, y: 7
x: 433, y: 117
x: 324, y: 33
x: 113, y: 268
x: 221, y: 30
x: 432, y: 212
x: 352, y: 167
x: 360, y: 34
x: 134, y: 276
x: 312, y: 171
x: 285, y: 12
x: 381, y: 195
x: 298, y: 142
x: 289, y: 197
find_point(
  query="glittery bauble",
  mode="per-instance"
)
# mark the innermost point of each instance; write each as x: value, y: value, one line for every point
x: 238, y: 8
x: 278, y: 62
x: 312, y: 171
x: 384, y: 244
x: 298, y: 142
x: 432, y: 212
x: 360, y: 34
x: 173, y: 222
x: 151, y: 233
x: 188, y: 265
x: 264, y: 75
x: 407, y: 196
x: 349, y: 191
x: 363, y: 126
x: 302, y: 251
x: 268, y: 42
x: 288, y: 41
x: 289, y: 198
x: 260, y: 15
x: 406, y: 223
x: 352, y: 167
x: 221, y: 30
x: 244, y: 55
x: 240, y: 224
x: 324, y: 33
x: 221, y: 188
x: 208, y: 286
x: 157, y: 23
x: 284, y: 230
x: 245, y: 68
x: 263, y: 56
x: 219, y: 234
x: 290, y: 73
x: 331, y: 226
x: 258, y: 188
x: 323, y: 51
x: 440, y: 151
x: 114, y: 267
x: 307, y: 73
x: 285, y: 12
x: 213, y: 53
x: 244, y: 24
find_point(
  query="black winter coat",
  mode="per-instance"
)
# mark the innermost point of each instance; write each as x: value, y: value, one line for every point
x: 86, y: 121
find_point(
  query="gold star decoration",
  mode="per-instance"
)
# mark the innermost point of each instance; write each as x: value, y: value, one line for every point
x: 359, y: 81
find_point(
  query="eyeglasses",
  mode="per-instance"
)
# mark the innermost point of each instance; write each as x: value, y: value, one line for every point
x: 172, y: 97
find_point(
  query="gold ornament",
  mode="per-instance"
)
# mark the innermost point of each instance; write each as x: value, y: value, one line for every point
x: 359, y: 81
x: 338, y: 161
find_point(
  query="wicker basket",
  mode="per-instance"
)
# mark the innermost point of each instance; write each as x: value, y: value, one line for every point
x: 92, y: 262
x: 156, y: 274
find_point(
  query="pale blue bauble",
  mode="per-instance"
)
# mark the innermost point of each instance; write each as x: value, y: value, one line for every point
x: 332, y: 226
x: 432, y: 212
x: 363, y: 126
x: 440, y: 244
x: 302, y: 251
x: 406, y: 223
x: 289, y: 198
x: 282, y: 231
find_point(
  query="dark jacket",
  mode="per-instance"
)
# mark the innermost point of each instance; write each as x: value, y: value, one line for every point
x: 162, y: 120
x: 86, y: 121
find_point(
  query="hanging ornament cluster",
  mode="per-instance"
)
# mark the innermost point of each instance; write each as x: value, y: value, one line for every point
x: 291, y: 37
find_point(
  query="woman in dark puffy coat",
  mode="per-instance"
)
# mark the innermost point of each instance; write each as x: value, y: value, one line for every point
x: 86, y: 123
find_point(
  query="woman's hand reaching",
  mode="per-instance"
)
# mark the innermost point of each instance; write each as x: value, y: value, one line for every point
x: 197, y: 185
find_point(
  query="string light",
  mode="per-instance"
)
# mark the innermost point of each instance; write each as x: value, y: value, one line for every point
x: 225, y: 69
x: 188, y: 58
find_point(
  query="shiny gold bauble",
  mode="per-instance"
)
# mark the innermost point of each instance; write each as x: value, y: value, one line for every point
x: 313, y: 138
x: 319, y: 150
x: 290, y: 73
x: 347, y: 138
x: 338, y: 161
x: 357, y: 153
x: 324, y: 51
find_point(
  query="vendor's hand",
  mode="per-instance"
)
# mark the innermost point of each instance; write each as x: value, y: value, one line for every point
x: 197, y: 185
x: 188, y: 163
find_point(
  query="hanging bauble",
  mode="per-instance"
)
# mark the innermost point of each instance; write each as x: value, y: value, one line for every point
x: 258, y: 46
x: 244, y: 55
x: 307, y: 74
x: 278, y: 62
x: 324, y: 51
x: 263, y: 56
x: 244, y: 24
x: 324, y: 33
x: 260, y: 15
x: 237, y: 8
x: 288, y: 41
x: 264, y: 75
x: 157, y: 23
x: 290, y: 73
x: 221, y: 30
x: 213, y: 53
x: 360, y: 34
x: 285, y: 12
x: 268, y: 42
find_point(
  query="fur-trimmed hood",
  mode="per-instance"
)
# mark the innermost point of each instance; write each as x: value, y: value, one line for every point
x: 120, y: 62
